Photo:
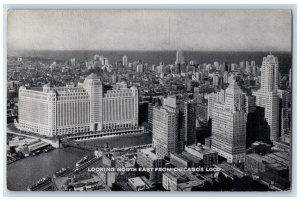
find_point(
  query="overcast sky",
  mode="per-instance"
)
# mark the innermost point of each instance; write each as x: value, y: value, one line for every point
x: 212, y: 30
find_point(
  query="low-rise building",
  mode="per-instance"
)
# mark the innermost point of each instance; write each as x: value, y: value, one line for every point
x: 140, y: 184
x: 208, y: 156
x: 148, y: 159
x: 181, y: 181
x: 229, y: 171
x: 108, y: 160
x: 260, y: 147
x: 271, y: 167
x: 179, y: 160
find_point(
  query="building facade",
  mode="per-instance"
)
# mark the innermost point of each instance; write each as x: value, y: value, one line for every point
x: 179, y: 57
x: 208, y: 156
x: 147, y: 158
x: 229, y: 124
x: 267, y: 96
x: 164, y: 131
x: 189, y: 124
x: 125, y: 60
x: 69, y: 110
x: 285, y: 113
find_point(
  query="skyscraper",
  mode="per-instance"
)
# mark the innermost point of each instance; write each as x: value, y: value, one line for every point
x: 189, y: 123
x: 216, y: 79
x: 248, y: 68
x: 164, y: 131
x: 285, y: 113
x: 267, y: 96
x: 227, y: 66
x: 185, y: 122
x: 73, y: 61
x: 125, y: 62
x: 140, y: 68
x: 229, y: 124
x: 93, y: 87
x: 179, y: 57
x: 269, y: 73
x: 225, y: 77
x: 106, y: 61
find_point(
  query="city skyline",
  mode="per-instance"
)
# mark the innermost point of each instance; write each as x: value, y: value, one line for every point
x: 181, y: 135
x: 134, y: 30
x: 149, y: 121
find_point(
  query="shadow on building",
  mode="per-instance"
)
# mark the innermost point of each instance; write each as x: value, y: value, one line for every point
x: 258, y: 128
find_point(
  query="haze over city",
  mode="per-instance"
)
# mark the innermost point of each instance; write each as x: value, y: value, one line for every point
x: 199, y: 30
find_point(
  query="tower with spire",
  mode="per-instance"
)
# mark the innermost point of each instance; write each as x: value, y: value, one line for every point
x: 229, y: 124
x: 267, y: 97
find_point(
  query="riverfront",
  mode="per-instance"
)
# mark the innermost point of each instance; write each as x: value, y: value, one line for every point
x: 31, y: 169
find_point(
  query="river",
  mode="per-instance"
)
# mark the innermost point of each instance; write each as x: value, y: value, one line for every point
x: 24, y: 172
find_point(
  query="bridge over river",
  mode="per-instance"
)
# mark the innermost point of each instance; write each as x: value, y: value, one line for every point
x: 54, y: 142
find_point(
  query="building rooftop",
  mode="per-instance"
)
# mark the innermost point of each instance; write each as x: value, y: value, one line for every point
x: 37, y: 88
x: 125, y: 161
x: 257, y: 143
x: 277, y: 166
x: 261, y: 158
x: 272, y: 158
x: 230, y: 170
x: 78, y: 185
x: 187, y: 186
x: 185, y: 180
x: 180, y: 176
x: 280, y: 157
x: 92, y: 76
x: 180, y: 156
x: 109, y: 156
x: 149, y: 152
x: 201, y: 149
x: 137, y: 181
x: 271, y: 58
x: 190, y: 157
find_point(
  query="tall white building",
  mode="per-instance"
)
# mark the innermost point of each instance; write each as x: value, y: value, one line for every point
x: 179, y: 57
x: 73, y: 61
x: 105, y: 61
x: 225, y: 77
x: 70, y: 110
x: 217, y: 65
x: 229, y: 124
x: 140, y: 68
x: 164, y: 131
x: 165, y: 128
x: 93, y: 87
x: 216, y: 79
x: 267, y: 96
x: 125, y: 60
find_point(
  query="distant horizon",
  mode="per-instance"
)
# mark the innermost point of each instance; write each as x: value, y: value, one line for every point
x: 148, y: 30
x: 155, y: 56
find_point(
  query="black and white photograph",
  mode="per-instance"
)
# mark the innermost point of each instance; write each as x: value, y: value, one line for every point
x: 164, y: 100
